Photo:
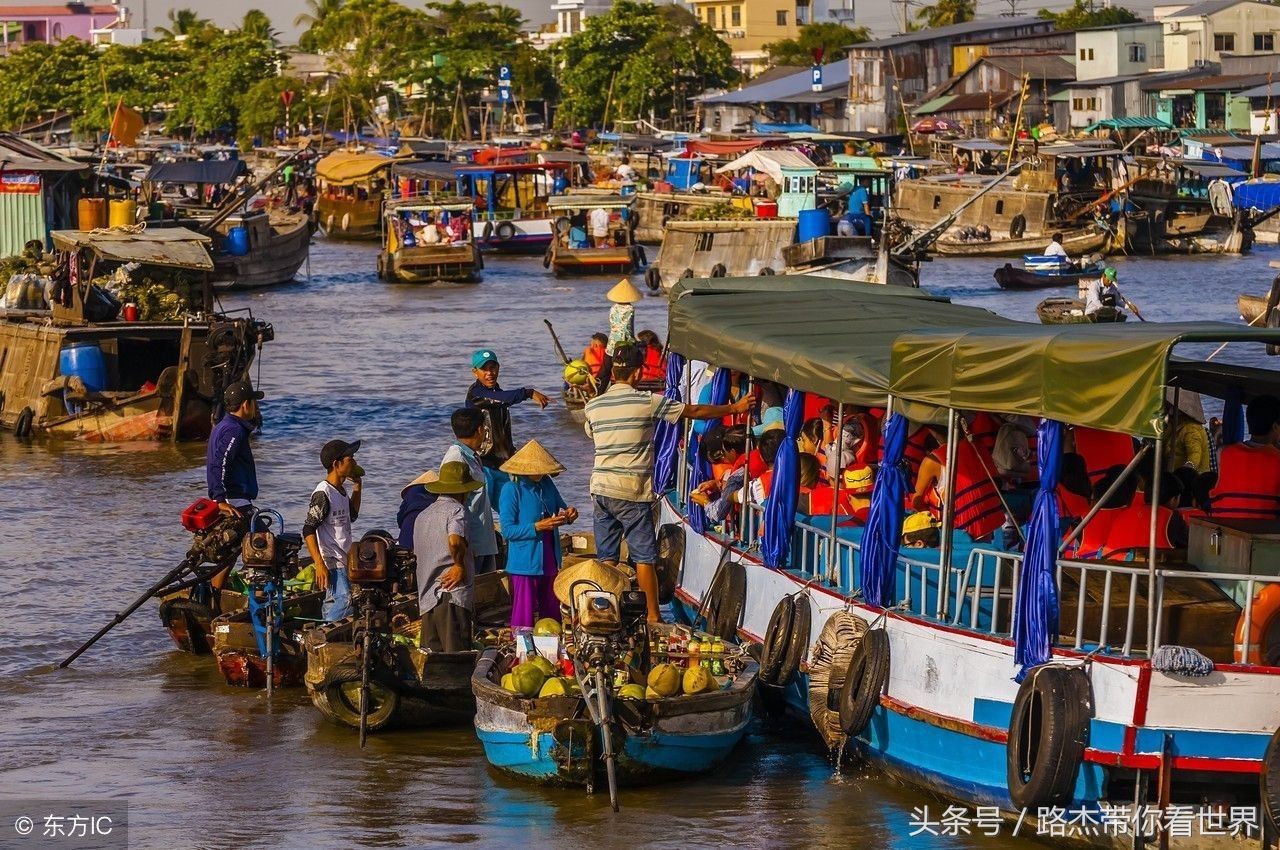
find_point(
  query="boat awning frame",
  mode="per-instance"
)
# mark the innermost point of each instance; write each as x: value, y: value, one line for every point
x: 173, y: 247
x: 1131, y: 122
x: 574, y: 202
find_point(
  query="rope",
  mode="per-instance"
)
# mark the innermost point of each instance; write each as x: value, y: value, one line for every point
x: 140, y: 227
x: 1182, y: 660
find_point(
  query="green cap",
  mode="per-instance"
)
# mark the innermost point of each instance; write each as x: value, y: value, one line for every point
x: 1109, y: 273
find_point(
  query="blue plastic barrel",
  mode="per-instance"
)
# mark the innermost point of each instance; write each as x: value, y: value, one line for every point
x: 84, y: 360
x: 237, y: 241
x: 812, y: 224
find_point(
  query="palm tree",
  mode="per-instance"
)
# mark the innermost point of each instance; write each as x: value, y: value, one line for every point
x: 256, y: 23
x: 183, y: 22
x: 944, y: 13
x: 319, y: 10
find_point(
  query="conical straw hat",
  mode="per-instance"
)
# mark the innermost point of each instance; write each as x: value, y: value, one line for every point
x: 532, y: 459
x: 624, y: 292
x: 428, y: 477
x: 610, y: 579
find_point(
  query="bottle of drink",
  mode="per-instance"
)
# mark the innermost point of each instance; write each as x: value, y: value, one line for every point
x: 717, y: 657
x: 704, y: 653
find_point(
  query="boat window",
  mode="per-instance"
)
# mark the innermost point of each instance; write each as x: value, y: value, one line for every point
x: 937, y: 201
x: 705, y: 241
x: 999, y: 207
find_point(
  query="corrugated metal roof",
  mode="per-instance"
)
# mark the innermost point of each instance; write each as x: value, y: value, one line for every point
x: 970, y: 102
x: 1132, y: 122
x: 1210, y: 7
x: 1102, y: 81
x: 21, y: 220
x: 835, y: 77
x: 933, y: 104
x: 1215, y: 82
x: 161, y: 246
x: 1040, y: 66
x: 954, y: 31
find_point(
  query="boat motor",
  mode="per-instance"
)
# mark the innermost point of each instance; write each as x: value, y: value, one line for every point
x: 377, y: 569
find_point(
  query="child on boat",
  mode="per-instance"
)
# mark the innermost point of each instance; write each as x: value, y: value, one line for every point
x: 327, y: 528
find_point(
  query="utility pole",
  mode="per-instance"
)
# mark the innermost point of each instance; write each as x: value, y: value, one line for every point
x: 904, y: 8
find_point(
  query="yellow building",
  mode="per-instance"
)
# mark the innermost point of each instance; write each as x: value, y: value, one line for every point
x: 748, y: 25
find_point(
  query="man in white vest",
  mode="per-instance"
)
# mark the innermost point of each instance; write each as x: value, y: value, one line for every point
x: 327, y: 529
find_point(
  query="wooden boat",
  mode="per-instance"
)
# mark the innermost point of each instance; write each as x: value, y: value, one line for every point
x: 188, y: 616
x: 1181, y: 207
x: 409, y: 687
x: 721, y: 248
x: 1070, y: 311
x: 1251, y: 308
x: 1013, y: 278
x: 653, y: 210
x: 279, y: 244
x: 551, y: 740
x: 1086, y: 240
x: 240, y: 658
x: 405, y: 258
x: 512, y: 216
x: 351, y: 187
x: 567, y: 255
x: 151, y: 379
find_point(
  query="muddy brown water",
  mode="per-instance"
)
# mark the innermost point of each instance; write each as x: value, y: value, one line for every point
x: 83, y: 529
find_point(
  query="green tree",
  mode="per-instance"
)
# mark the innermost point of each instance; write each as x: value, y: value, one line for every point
x: 145, y: 78
x: 944, y: 13
x: 317, y: 12
x: 1086, y: 14
x: 262, y: 108
x: 638, y: 60
x: 183, y: 22
x: 257, y: 24
x: 41, y: 79
x: 832, y: 38
x: 223, y: 67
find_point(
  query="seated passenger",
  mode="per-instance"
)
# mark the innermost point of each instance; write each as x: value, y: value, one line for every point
x: 1012, y: 450
x: 1093, y: 540
x: 978, y: 509
x: 1074, y: 491
x: 594, y: 355
x: 655, y: 361
x: 1102, y: 450
x: 1130, y: 531
x: 1249, y: 473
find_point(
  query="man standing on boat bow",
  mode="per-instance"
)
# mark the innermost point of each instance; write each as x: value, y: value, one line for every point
x: 230, y: 472
x: 495, y: 402
x: 621, y: 422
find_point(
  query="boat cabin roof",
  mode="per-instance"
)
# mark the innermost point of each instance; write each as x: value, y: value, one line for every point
x: 574, y: 202
x: 217, y: 171
x: 344, y: 168
x: 174, y: 247
x: 429, y: 205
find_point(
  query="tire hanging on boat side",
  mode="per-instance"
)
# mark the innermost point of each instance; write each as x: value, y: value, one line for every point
x: 23, y: 425
x: 828, y: 664
x: 725, y: 599
x: 785, y: 640
x: 344, y: 701
x: 864, y: 682
x: 1048, y: 733
x: 1018, y: 226
x: 653, y: 278
x: 718, y: 270
x: 670, y: 560
x: 1269, y: 785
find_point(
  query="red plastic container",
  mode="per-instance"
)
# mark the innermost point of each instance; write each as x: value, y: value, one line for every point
x: 766, y: 209
x: 131, y: 312
x: 199, y: 515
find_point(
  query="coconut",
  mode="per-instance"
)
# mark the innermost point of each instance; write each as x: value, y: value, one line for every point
x: 631, y: 692
x: 697, y: 680
x: 528, y: 679
x: 547, y: 668
x: 652, y: 695
x: 508, y: 684
x: 546, y: 626
x: 665, y: 679
x: 553, y: 687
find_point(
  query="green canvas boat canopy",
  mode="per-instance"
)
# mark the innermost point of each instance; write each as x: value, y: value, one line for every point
x: 831, y: 338
x: 1111, y: 377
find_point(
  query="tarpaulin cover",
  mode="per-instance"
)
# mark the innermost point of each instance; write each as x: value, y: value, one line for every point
x: 1257, y: 195
x: 1035, y: 621
x: 666, y: 436
x: 693, y: 148
x: 1109, y: 377
x: 344, y: 167
x: 763, y: 127
x: 216, y: 171
x: 769, y: 162
x: 829, y: 337
x: 884, y: 522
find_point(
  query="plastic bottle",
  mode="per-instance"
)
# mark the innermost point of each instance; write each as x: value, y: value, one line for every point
x: 704, y: 653
x: 717, y: 657
x: 695, y: 654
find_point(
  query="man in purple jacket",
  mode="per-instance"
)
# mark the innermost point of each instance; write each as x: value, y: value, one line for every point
x: 230, y: 472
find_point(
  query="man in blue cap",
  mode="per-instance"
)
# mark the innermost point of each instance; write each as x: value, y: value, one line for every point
x: 486, y: 395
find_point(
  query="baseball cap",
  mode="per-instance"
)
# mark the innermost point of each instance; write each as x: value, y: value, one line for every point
x: 770, y: 420
x: 483, y: 356
x: 238, y: 393
x: 629, y: 356
x: 335, y: 450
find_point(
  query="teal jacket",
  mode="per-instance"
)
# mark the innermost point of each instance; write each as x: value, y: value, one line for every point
x: 522, y: 503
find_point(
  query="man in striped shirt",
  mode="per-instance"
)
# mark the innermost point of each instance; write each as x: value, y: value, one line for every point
x: 621, y: 422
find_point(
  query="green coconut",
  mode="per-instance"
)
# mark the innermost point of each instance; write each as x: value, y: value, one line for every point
x: 528, y: 679
x: 547, y: 668
x: 508, y: 684
x: 553, y: 687
x: 546, y: 626
x: 664, y: 679
x: 697, y: 680
x: 631, y: 692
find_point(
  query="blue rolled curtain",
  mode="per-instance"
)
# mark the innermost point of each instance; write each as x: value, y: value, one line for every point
x: 720, y: 383
x: 883, y: 534
x: 1035, y: 623
x: 666, y: 437
x: 1232, y: 418
x: 780, y: 509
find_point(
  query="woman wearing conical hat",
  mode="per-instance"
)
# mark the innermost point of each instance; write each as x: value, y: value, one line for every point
x: 532, y: 511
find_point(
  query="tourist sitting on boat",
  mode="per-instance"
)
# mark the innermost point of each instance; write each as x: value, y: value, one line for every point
x: 1249, y: 472
x: 1013, y: 454
x: 812, y: 441
x: 1074, y: 490
x: 1054, y: 248
x: 531, y: 510
x: 470, y: 436
x: 1130, y: 531
x: 1188, y: 456
x: 495, y: 402
x: 1101, y: 450
x: 860, y: 444
x: 817, y: 497
x: 230, y: 471
x: 655, y: 363
x: 446, y: 570
x: 459, y: 228
x: 1093, y: 539
x: 621, y: 422
x: 724, y: 449
x: 1103, y: 293
x: 414, y: 499
x: 327, y: 528
x: 599, y: 223
x: 977, y: 506
x: 594, y: 355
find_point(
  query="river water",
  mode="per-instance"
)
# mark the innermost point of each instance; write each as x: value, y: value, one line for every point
x: 85, y: 529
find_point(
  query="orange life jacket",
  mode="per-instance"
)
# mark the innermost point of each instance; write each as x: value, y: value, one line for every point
x: 1248, y: 483
x: 1102, y: 450
x: 1071, y: 505
x: 1132, y: 529
x: 869, y: 449
x: 655, y: 365
x: 1096, y: 534
x: 916, y: 450
x: 984, y: 429
x: 977, y: 505
x: 593, y: 356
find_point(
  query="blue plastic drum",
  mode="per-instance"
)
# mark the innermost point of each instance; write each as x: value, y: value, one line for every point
x: 84, y: 360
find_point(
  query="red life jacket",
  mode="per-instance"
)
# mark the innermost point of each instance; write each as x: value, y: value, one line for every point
x: 655, y: 365
x: 821, y: 496
x: 978, y: 510
x: 916, y: 450
x: 1132, y: 529
x: 869, y: 449
x: 1071, y: 505
x: 984, y: 429
x: 1096, y: 534
x: 814, y: 404
x: 1102, y: 450
x: 1248, y: 483
x: 594, y: 358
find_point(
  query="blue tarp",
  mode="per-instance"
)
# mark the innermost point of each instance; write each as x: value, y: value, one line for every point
x: 1035, y: 621
x: 719, y: 392
x: 667, y: 435
x: 763, y: 127
x: 780, y: 508
x: 1257, y: 195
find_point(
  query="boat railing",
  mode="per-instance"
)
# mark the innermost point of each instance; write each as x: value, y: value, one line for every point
x: 1089, y: 620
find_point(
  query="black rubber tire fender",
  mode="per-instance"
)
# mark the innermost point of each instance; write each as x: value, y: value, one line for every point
x: 653, y: 278
x: 864, y: 682
x: 342, y: 693
x: 686, y: 274
x: 641, y: 255
x: 670, y: 560
x: 798, y: 645
x: 718, y: 270
x: 726, y: 598
x: 22, y: 427
x: 504, y: 231
x: 776, y: 639
x: 767, y: 272
x: 546, y: 257
x: 1269, y: 785
x: 1018, y: 226
x: 487, y: 232
x: 1048, y: 733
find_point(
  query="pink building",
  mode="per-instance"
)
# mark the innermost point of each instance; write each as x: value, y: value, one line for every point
x: 52, y: 23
